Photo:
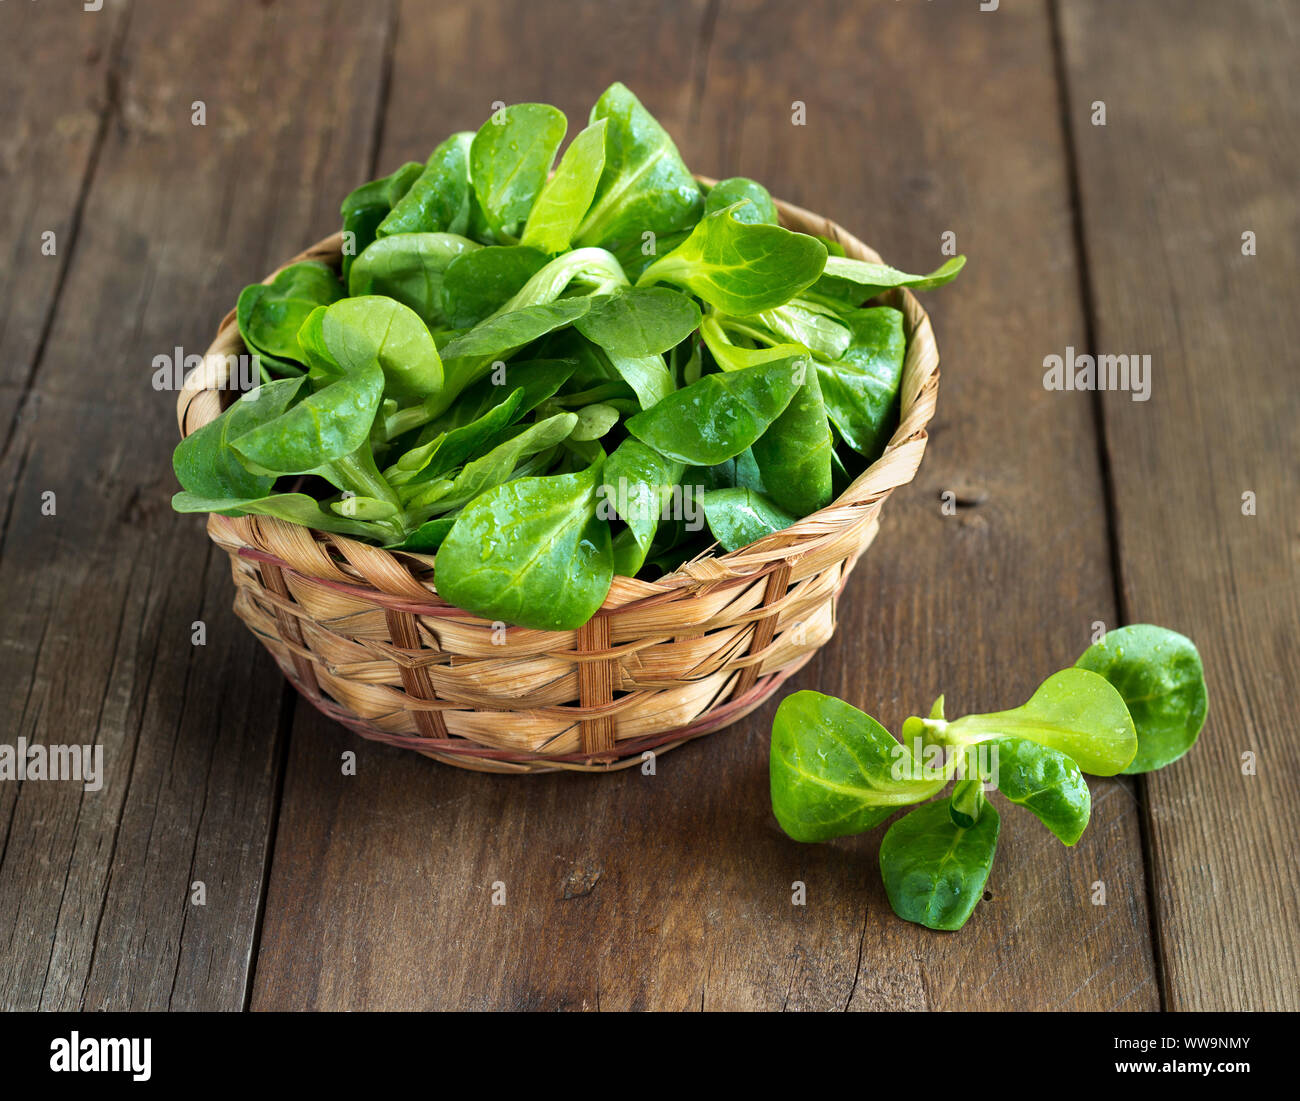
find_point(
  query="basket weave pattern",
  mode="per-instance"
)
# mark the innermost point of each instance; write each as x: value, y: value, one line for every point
x: 361, y: 632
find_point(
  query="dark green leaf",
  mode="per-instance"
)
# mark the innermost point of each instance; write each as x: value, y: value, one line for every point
x: 531, y: 552
x: 205, y: 463
x: 409, y: 267
x: 809, y: 324
x: 428, y: 537
x: 1045, y: 782
x: 506, y: 333
x: 718, y: 417
x: 738, y: 473
x: 509, y: 160
x: 270, y: 314
x: 835, y: 771
x: 794, y: 454
x: 638, y: 482
x: 727, y: 193
x: 356, y: 332
x: 438, y: 200
x: 645, y: 187
x: 934, y: 871
x: 636, y: 255
x: 642, y: 321
x: 470, y: 356
x: 499, y: 464
x: 452, y: 448
x: 861, y: 389
x: 1158, y: 673
x: 478, y: 283
x: 323, y: 427
x: 535, y: 379
x: 738, y: 517
x: 738, y: 268
x: 366, y: 207
x: 967, y: 802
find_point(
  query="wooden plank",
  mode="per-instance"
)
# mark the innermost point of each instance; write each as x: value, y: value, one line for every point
x: 56, y: 102
x: 56, y: 99
x: 674, y: 891
x: 95, y: 887
x: 1198, y: 148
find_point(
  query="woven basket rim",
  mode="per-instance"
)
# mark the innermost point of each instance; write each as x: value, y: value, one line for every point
x: 403, y: 580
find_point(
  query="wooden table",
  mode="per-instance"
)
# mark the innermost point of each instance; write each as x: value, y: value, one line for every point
x: 669, y: 892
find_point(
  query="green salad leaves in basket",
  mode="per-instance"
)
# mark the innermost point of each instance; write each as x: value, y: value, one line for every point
x: 527, y: 355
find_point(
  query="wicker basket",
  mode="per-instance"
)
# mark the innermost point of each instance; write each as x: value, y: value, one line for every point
x: 363, y: 635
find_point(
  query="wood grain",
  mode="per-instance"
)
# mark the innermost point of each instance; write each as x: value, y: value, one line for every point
x: 48, y: 148
x: 675, y: 890
x: 47, y: 155
x: 1199, y: 147
x: 95, y: 887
